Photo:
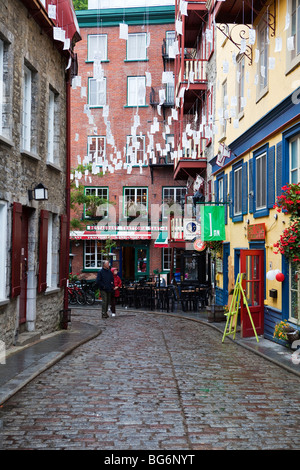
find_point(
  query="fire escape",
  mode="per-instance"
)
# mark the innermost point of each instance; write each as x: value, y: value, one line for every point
x: 195, y: 45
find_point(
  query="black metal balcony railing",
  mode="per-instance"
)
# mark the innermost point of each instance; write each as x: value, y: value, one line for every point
x: 169, y: 96
x: 161, y: 160
x: 167, y: 42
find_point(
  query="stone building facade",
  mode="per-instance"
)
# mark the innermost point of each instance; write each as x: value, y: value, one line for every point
x: 35, y: 72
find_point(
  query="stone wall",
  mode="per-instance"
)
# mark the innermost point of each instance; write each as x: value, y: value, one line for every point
x: 26, y: 44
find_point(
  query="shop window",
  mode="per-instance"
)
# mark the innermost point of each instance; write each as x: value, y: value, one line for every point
x: 294, y: 281
x: 93, y: 254
x: 142, y: 261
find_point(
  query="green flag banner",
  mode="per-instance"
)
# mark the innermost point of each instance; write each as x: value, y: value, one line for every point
x: 212, y: 223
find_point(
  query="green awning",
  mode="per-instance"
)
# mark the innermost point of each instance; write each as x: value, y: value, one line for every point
x: 162, y: 240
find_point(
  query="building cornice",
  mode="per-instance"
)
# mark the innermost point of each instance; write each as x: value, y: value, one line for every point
x: 130, y: 16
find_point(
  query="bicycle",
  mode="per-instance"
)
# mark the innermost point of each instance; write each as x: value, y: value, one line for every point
x: 76, y: 294
x: 89, y: 291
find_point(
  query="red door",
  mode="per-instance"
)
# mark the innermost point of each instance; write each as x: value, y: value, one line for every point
x: 252, y: 267
x: 23, y: 266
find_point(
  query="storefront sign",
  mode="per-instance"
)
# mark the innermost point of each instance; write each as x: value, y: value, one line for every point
x: 199, y: 245
x: 256, y: 232
x: 148, y: 228
x: 212, y: 223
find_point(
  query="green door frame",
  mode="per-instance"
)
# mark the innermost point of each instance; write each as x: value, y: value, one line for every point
x: 137, y: 248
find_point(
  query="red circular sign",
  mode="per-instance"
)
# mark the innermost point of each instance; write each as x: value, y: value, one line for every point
x: 199, y: 245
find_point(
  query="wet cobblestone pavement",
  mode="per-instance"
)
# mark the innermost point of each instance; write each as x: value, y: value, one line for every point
x: 155, y: 382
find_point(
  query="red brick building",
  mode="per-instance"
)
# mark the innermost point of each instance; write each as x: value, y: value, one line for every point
x: 122, y: 136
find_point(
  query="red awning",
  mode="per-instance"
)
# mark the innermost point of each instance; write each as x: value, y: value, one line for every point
x: 114, y: 235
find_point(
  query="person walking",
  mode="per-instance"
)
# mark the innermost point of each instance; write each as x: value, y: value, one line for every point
x: 105, y: 282
x: 116, y: 290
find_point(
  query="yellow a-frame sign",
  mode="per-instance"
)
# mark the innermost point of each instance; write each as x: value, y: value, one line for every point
x: 232, y: 315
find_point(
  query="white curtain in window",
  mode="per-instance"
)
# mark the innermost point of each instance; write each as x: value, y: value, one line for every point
x: 136, y: 46
x: 136, y: 91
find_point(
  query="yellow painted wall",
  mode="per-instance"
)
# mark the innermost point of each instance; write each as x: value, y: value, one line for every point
x: 283, y: 81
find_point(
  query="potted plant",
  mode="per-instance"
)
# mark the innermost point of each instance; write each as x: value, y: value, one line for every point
x: 109, y: 245
x: 289, y: 201
x: 285, y: 334
x: 215, y: 246
x: 289, y: 242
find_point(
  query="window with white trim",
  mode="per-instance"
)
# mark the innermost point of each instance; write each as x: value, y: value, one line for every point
x: 1, y: 84
x: 135, y: 149
x: 167, y: 258
x: 135, y: 201
x: 171, y: 196
x: 101, y: 209
x: 263, y: 47
x: 97, y: 92
x: 294, y: 281
x: 52, y: 252
x: 97, y: 47
x: 294, y: 160
x: 3, y: 249
x: 294, y: 269
x: 136, y: 91
x: 220, y: 189
x: 6, y: 85
x: 295, y: 28
x: 224, y: 114
x: 50, y: 156
x: 170, y: 39
x: 238, y: 191
x: 53, y: 129
x: 30, y: 103
x: 26, y: 121
x: 93, y: 254
x: 97, y: 148
x: 241, y: 83
x: 137, y: 46
x: 260, y: 181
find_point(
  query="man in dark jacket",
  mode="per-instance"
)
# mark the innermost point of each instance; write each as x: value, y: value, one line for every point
x: 105, y: 282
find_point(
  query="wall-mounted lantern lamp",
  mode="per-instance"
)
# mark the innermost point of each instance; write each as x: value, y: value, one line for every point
x: 39, y: 193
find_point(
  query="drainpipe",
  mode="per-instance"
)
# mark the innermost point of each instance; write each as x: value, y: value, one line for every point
x: 64, y: 323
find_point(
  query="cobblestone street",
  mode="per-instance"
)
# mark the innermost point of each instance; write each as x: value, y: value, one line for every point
x: 156, y: 382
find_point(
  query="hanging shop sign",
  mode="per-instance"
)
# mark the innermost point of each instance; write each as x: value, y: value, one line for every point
x: 199, y: 245
x: 191, y: 228
x: 212, y: 223
x: 256, y: 232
